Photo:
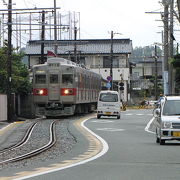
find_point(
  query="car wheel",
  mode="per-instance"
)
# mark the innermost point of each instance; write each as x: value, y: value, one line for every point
x: 157, y: 138
x: 162, y: 141
x: 98, y: 116
x: 118, y: 117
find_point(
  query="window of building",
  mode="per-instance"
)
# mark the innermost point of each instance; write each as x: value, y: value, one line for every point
x: 80, y: 60
x: 107, y: 62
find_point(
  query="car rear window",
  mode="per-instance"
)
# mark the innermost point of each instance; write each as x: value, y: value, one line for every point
x: 104, y: 97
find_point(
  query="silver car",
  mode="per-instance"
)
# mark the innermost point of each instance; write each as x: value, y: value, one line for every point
x: 167, y: 119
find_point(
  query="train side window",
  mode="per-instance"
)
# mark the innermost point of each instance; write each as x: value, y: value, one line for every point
x: 53, y: 78
x: 67, y: 78
x: 40, y: 79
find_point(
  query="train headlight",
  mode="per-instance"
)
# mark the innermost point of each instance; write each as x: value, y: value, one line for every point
x: 40, y: 92
x: 68, y: 91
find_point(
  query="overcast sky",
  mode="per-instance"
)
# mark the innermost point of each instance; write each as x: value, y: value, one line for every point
x: 98, y: 17
x: 122, y: 16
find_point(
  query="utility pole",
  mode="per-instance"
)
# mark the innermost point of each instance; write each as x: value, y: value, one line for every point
x: 156, y: 72
x: 9, y: 64
x: 55, y: 29
x: 166, y: 4
x: 30, y: 28
x: 171, y: 47
x: 42, y: 37
x: 111, y: 59
x: 75, y: 46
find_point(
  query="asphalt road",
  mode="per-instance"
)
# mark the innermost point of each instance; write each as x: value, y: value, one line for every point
x: 132, y: 153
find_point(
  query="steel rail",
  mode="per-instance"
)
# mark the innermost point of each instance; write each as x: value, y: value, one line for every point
x: 23, y: 141
x: 51, y: 142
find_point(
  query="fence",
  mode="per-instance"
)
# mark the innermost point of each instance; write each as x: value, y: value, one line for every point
x: 22, y: 106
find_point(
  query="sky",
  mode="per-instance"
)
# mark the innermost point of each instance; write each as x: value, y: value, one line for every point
x: 99, y: 17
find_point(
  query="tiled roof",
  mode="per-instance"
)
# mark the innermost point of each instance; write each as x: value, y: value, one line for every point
x: 86, y: 46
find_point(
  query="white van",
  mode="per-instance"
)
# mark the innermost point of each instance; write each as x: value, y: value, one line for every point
x: 109, y: 104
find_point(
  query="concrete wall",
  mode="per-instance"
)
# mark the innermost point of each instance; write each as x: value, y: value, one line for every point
x: 3, y: 107
x: 25, y: 107
x: 22, y: 106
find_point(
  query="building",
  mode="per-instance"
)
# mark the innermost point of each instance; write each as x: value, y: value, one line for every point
x: 143, y: 76
x: 93, y: 53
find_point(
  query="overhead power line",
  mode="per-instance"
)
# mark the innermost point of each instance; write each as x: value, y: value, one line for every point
x: 27, y: 9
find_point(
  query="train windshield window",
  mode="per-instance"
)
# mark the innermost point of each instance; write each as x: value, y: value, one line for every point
x: 67, y: 78
x: 40, y: 79
x: 53, y: 78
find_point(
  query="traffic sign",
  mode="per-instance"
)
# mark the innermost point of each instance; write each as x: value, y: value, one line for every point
x: 109, y: 78
x: 108, y: 85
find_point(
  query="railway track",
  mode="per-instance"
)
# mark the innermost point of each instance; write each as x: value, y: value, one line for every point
x: 23, y: 141
x: 52, y: 141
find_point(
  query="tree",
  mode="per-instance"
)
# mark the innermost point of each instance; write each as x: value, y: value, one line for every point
x: 141, y: 53
x: 175, y: 61
x: 20, y: 75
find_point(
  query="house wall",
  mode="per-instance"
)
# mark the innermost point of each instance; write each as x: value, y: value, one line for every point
x: 3, y: 107
x: 144, y: 69
x: 120, y: 74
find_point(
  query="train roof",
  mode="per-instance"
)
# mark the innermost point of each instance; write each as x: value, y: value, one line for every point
x: 63, y: 61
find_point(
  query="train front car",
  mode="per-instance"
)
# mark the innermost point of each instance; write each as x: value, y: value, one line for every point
x: 61, y: 87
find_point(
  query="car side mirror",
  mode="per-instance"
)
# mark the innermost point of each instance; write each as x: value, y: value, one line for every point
x: 157, y: 112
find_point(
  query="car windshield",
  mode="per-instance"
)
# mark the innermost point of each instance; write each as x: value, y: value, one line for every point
x: 104, y: 97
x: 171, y: 107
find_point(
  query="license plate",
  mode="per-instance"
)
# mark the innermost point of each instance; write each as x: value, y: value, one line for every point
x: 108, y: 113
x: 177, y: 134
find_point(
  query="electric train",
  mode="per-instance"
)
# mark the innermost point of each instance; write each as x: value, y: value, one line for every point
x: 62, y: 87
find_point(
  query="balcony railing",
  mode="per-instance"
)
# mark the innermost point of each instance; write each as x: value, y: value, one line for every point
x: 100, y: 66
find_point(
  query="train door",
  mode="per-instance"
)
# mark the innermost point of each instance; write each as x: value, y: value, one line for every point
x: 54, y: 89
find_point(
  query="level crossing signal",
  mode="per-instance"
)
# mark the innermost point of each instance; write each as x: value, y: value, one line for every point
x: 121, y: 86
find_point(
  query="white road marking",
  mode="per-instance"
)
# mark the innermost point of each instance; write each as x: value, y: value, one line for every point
x: 102, y: 121
x: 148, y: 125
x: 109, y: 129
x: 5, y: 127
x: 137, y: 114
